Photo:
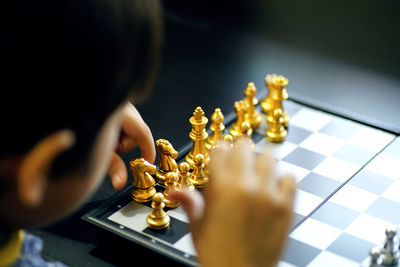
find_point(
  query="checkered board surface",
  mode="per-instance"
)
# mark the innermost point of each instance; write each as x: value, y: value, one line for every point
x: 347, y: 183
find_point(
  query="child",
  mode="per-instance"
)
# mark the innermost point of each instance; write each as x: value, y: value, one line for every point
x: 70, y: 68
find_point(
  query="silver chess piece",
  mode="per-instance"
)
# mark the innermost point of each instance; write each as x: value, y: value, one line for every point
x: 390, y: 250
x: 374, y: 254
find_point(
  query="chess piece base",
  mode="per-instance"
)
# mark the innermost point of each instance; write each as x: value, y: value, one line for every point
x: 190, y: 159
x: 199, y: 183
x: 276, y: 137
x: 188, y: 187
x: 143, y: 195
x: 254, y: 120
x: 285, y: 120
x: 160, y: 175
x: 171, y: 204
x: 156, y: 223
x: 235, y: 133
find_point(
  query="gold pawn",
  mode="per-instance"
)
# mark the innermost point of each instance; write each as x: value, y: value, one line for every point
x: 276, y: 94
x: 247, y: 131
x: 252, y: 115
x: 171, y: 184
x: 276, y: 132
x: 217, y: 126
x: 228, y: 138
x: 199, y: 177
x: 198, y: 136
x: 240, y: 110
x: 158, y: 219
x: 184, y: 175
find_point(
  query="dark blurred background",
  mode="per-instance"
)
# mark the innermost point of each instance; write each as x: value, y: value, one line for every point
x: 364, y: 33
x: 340, y: 54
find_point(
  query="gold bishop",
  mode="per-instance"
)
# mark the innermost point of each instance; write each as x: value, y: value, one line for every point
x: 217, y: 127
x: 252, y: 115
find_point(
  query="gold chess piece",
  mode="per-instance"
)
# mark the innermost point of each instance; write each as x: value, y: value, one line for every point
x: 199, y: 177
x: 276, y: 94
x: 241, y: 108
x: 198, y: 135
x: 228, y: 138
x: 166, y: 159
x: 217, y: 126
x: 247, y: 131
x: 276, y: 132
x: 252, y: 115
x: 143, y: 183
x: 158, y: 219
x: 171, y: 183
x: 184, y: 175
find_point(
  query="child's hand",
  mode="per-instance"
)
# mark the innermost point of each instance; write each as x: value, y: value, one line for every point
x: 134, y: 132
x: 245, y: 215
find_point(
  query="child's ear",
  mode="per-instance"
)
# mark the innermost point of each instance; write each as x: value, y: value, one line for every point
x: 33, y: 173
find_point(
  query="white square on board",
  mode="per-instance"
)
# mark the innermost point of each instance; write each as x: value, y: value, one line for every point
x: 370, y: 139
x: 285, y: 168
x: 186, y: 245
x: 316, y: 233
x: 354, y: 198
x: 132, y: 216
x: 179, y: 213
x: 393, y: 192
x: 385, y: 165
x: 277, y: 150
x: 310, y: 119
x: 322, y: 143
x: 337, y: 169
x: 329, y: 259
x: 305, y: 202
x: 369, y: 228
x: 285, y: 264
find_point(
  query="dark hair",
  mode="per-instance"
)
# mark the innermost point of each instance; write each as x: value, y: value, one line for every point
x: 69, y: 65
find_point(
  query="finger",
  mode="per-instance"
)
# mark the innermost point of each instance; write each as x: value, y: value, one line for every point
x: 242, y: 161
x: 265, y: 169
x: 193, y: 204
x: 136, y: 132
x: 219, y: 157
x: 117, y: 172
x: 125, y: 144
x: 287, y: 187
x: 146, y: 145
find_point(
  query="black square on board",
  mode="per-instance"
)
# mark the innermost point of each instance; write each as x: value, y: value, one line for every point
x: 318, y: 185
x: 296, y: 135
x: 340, y: 128
x: 304, y: 158
x: 176, y: 230
x: 371, y: 181
x: 298, y: 253
x: 385, y: 209
x: 335, y: 215
x: 351, y: 247
x: 354, y: 154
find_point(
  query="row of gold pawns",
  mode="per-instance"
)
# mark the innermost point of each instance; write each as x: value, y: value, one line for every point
x: 176, y: 177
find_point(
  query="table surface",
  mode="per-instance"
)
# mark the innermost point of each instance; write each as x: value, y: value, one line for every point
x: 209, y: 65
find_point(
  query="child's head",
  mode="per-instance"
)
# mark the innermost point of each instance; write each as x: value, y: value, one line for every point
x: 68, y: 67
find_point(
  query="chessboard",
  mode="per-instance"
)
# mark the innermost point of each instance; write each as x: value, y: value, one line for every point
x: 347, y: 192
